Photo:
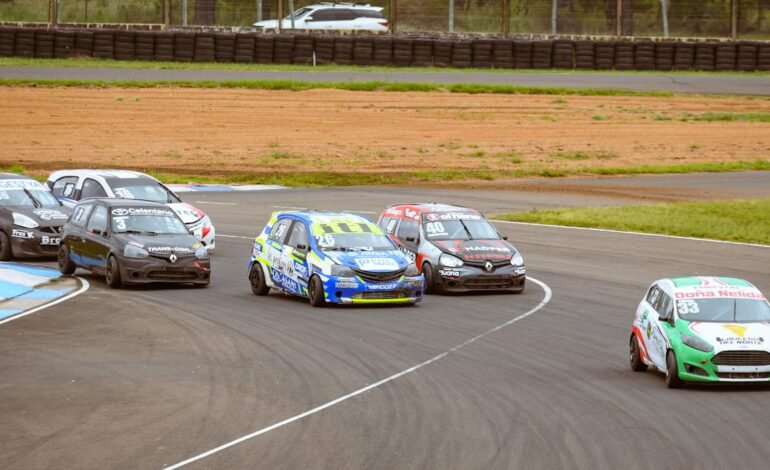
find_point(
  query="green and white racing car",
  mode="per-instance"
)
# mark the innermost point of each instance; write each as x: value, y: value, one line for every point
x: 703, y: 329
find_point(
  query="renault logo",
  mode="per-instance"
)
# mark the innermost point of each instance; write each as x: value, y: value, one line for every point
x: 172, y: 258
x: 488, y: 266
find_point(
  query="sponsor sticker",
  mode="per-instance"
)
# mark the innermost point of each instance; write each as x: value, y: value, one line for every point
x: 345, y: 284
x: 163, y: 249
x: 449, y: 273
x: 453, y: 216
x: 50, y: 241
x: 122, y: 211
x: 49, y: 214
x: 20, y: 184
x: 22, y: 234
x: 389, y: 286
x: 377, y: 264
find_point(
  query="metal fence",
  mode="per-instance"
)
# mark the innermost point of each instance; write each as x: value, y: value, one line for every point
x: 745, y: 19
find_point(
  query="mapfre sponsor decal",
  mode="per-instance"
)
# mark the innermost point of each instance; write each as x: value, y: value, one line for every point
x: 452, y: 216
x: 120, y: 211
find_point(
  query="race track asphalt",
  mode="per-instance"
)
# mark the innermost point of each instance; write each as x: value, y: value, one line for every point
x: 652, y: 81
x: 149, y: 377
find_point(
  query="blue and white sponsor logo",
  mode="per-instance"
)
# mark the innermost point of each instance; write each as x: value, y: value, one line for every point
x: 377, y: 264
x: 300, y: 269
x: 388, y: 286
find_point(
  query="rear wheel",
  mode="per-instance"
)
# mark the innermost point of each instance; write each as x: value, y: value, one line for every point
x: 66, y: 266
x: 112, y: 274
x: 635, y: 356
x: 257, y: 280
x: 5, y: 247
x: 315, y: 291
x: 672, y: 371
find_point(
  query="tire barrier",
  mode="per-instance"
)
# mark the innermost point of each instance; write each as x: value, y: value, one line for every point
x: 401, y: 51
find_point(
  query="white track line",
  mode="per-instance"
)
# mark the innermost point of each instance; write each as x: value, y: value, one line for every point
x: 658, y: 235
x: 84, y: 287
x: 305, y: 209
x: 235, y: 236
x: 543, y: 303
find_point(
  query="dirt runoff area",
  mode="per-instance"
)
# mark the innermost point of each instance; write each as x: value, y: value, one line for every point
x: 221, y: 132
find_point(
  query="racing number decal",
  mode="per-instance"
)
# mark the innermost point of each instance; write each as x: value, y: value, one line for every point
x: 686, y: 307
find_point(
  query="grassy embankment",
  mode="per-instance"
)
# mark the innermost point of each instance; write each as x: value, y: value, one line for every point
x: 746, y: 221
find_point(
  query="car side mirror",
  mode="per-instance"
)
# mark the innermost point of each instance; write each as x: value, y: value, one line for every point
x: 97, y: 231
x: 308, y: 18
x: 505, y: 237
x: 302, y: 247
x: 411, y: 239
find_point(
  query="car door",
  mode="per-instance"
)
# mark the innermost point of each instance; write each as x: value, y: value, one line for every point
x: 96, y: 244
x: 276, y: 252
x: 655, y: 303
x: 408, y: 235
x: 321, y: 19
x: 297, y: 248
x: 74, y: 232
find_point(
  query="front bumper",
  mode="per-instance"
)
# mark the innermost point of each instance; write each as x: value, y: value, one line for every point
x: 206, y: 234
x: 354, y: 290
x: 698, y: 366
x: 34, y: 242
x: 471, y: 278
x: 186, y: 270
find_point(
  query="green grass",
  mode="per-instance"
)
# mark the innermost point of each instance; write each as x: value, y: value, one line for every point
x: 81, y: 62
x: 745, y: 221
x: 728, y: 117
x: 290, y: 85
x: 578, y: 156
x: 336, y: 178
x: 15, y: 168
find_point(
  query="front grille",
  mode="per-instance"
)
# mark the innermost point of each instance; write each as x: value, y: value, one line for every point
x: 490, y: 283
x: 380, y: 295
x: 172, y: 275
x: 743, y: 375
x: 49, y: 248
x: 165, y: 256
x: 742, y: 358
x: 481, y: 263
x: 380, y: 277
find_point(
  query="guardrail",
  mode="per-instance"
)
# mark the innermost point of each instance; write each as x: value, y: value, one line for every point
x: 402, y: 51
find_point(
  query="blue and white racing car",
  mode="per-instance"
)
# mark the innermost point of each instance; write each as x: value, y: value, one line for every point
x: 331, y: 258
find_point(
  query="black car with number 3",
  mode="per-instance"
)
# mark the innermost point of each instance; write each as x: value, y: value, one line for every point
x: 30, y: 218
x: 132, y: 242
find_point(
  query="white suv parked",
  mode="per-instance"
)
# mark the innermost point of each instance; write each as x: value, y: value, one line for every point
x: 332, y: 16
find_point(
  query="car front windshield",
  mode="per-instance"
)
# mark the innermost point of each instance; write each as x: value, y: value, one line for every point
x: 460, y: 230
x: 354, y: 242
x: 143, y: 189
x: 24, y: 197
x: 299, y: 13
x: 148, y: 224
x: 724, y: 310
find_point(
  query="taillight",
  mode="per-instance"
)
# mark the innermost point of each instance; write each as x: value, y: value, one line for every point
x: 383, y: 23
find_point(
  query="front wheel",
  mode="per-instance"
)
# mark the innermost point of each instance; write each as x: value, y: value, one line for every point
x: 257, y: 280
x: 66, y: 266
x: 672, y: 371
x: 112, y: 274
x: 5, y: 247
x: 315, y: 292
x: 430, y: 279
x: 635, y: 356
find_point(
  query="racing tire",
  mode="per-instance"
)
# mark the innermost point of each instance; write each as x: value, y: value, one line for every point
x: 315, y: 292
x: 672, y: 371
x: 635, y: 356
x: 257, y: 280
x: 66, y: 266
x: 112, y: 273
x: 5, y: 247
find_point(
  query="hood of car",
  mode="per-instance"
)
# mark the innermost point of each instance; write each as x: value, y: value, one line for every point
x: 370, y: 261
x: 181, y: 244
x: 46, y: 217
x: 187, y: 212
x: 477, y: 250
x: 734, y: 336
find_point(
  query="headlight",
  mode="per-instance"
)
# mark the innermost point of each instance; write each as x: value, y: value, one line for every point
x: 202, y: 253
x: 132, y: 251
x: 696, y: 343
x: 24, y: 221
x: 412, y: 271
x: 342, y: 271
x: 450, y: 261
x: 517, y: 259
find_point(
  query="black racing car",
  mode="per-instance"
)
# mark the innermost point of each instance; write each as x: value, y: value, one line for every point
x: 31, y: 218
x: 132, y: 242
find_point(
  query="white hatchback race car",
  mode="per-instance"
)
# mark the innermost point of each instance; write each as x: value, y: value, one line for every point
x: 332, y: 16
x: 703, y: 329
x: 72, y: 186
